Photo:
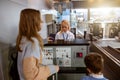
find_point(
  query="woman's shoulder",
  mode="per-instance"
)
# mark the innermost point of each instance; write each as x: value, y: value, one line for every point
x: 25, y: 40
x: 33, y: 48
x: 28, y: 42
x: 31, y: 44
x: 35, y: 39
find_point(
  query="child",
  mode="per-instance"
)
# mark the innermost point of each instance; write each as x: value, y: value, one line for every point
x: 94, y: 64
x: 64, y: 32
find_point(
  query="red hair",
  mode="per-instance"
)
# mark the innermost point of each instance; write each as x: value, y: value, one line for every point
x: 29, y: 26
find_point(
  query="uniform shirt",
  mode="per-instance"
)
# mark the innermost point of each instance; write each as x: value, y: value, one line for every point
x: 30, y: 62
x: 94, y: 77
x: 67, y: 36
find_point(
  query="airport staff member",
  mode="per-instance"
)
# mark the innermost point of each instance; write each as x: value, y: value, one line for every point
x: 64, y: 33
x: 30, y: 45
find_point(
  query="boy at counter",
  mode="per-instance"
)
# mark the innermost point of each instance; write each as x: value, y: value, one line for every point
x: 94, y: 65
x: 64, y: 33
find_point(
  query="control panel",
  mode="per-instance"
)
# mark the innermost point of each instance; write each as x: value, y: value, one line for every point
x: 78, y: 54
x: 48, y: 55
x: 65, y: 56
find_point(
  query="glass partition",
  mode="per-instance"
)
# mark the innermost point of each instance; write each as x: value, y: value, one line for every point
x: 101, y: 22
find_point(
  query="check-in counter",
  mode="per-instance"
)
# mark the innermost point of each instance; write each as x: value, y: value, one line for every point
x: 68, y: 55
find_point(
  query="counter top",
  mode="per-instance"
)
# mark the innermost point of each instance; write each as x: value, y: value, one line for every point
x: 72, y: 70
x: 68, y: 43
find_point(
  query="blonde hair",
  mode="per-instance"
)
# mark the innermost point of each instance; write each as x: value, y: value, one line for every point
x: 29, y: 25
x: 65, y: 22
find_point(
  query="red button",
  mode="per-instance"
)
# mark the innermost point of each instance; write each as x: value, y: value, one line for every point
x: 79, y: 54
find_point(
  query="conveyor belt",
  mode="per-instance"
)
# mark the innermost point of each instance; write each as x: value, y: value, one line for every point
x: 113, y: 52
x: 111, y: 62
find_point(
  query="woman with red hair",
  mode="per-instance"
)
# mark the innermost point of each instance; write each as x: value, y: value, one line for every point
x: 29, y: 44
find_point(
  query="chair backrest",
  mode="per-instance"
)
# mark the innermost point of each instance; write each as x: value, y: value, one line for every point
x: 73, y: 30
x: 52, y: 37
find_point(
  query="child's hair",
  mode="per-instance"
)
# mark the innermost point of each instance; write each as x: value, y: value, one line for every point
x: 94, y: 62
x: 65, y: 22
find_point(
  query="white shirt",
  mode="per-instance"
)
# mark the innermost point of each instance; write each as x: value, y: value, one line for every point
x: 67, y: 36
x: 97, y: 76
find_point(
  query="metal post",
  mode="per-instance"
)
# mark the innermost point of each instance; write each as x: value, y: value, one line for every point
x: 56, y: 74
